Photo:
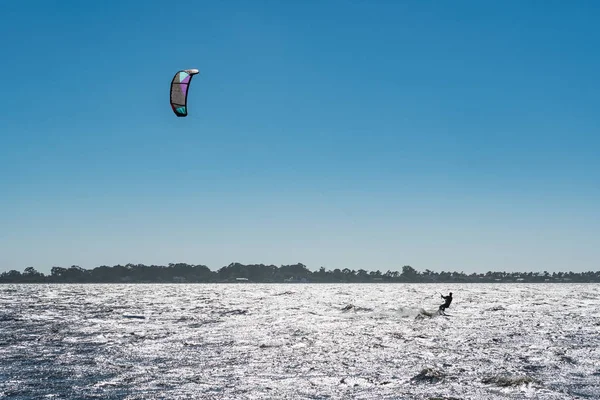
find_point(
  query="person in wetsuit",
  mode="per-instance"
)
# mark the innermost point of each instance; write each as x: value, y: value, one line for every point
x: 447, y: 301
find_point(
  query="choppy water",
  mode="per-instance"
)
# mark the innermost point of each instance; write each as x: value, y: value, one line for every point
x: 251, y: 341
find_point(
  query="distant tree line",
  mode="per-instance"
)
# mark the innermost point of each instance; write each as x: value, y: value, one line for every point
x: 236, y: 272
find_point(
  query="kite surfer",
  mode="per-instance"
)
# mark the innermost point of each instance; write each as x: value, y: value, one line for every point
x: 447, y: 301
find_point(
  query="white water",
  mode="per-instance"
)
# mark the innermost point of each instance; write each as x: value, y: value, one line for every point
x: 252, y: 341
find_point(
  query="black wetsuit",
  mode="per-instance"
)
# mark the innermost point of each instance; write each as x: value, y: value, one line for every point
x: 448, y: 300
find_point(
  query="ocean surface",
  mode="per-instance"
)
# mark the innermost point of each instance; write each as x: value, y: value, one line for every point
x: 299, y: 341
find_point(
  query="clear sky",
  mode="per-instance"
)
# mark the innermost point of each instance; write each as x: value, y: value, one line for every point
x: 460, y: 136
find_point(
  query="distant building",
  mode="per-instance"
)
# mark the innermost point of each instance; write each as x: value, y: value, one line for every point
x: 295, y: 280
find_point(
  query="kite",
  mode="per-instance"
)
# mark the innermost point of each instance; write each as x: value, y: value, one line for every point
x: 180, y: 86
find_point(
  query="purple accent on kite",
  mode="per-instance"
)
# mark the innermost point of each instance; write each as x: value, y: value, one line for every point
x: 184, y: 84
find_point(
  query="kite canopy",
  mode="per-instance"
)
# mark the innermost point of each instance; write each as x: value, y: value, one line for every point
x: 179, y: 91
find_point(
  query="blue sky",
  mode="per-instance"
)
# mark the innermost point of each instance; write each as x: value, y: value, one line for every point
x: 458, y: 136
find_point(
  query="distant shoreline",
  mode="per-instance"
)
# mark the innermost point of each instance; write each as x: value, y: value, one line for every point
x: 292, y: 284
x: 261, y: 273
